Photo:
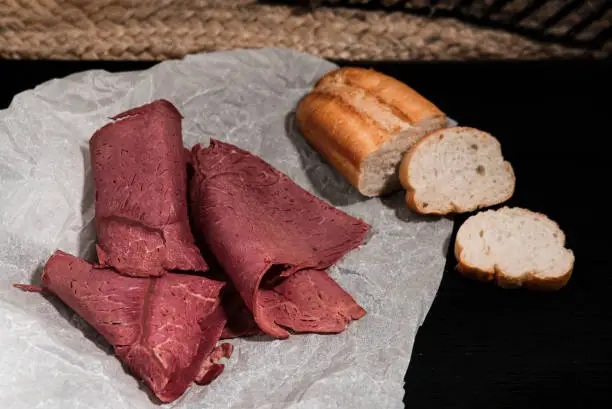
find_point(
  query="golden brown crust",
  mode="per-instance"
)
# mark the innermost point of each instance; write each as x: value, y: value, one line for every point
x: 342, y: 135
x: 411, y: 106
x: 471, y: 272
x: 341, y: 98
x: 367, y: 105
x: 345, y: 134
x: 530, y: 280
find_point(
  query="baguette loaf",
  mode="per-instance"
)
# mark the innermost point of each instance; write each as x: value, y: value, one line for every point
x: 362, y: 122
x: 456, y: 170
x: 515, y: 247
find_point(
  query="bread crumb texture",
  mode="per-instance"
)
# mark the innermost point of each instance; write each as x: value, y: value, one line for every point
x: 514, y: 247
x: 456, y: 170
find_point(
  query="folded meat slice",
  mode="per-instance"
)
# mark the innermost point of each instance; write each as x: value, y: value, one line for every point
x: 264, y: 229
x: 140, y: 179
x: 240, y: 321
x: 309, y: 301
x: 165, y: 329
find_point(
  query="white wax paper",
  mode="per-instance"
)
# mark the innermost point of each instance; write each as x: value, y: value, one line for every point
x: 50, y: 358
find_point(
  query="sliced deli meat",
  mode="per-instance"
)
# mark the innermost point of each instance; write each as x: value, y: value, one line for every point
x: 272, y: 238
x: 308, y: 301
x: 139, y: 169
x: 240, y: 321
x: 165, y: 329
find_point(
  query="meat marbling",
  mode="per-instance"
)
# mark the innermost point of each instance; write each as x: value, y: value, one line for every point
x: 140, y: 179
x: 165, y: 329
x: 272, y: 238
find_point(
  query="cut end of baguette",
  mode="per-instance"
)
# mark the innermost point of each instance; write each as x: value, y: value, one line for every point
x: 379, y: 173
x: 514, y: 247
x: 456, y: 170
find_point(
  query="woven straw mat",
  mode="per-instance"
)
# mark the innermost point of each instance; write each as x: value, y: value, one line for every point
x: 163, y: 29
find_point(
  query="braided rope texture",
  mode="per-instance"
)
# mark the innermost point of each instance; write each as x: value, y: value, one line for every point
x: 167, y: 29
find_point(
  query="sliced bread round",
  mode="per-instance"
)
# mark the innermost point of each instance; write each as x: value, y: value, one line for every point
x: 515, y: 247
x: 456, y: 170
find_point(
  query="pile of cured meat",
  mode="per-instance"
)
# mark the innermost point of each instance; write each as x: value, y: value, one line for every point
x: 196, y: 246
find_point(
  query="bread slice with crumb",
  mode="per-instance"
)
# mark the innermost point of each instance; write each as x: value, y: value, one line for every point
x: 515, y: 247
x: 456, y: 170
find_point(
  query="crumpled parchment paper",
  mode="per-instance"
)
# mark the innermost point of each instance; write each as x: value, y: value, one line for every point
x: 50, y: 358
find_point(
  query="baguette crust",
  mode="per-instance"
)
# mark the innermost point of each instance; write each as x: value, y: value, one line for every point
x: 352, y: 112
x: 408, y: 104
x: 341, y: 134
x: 404, y: 176
x: 530, y: 280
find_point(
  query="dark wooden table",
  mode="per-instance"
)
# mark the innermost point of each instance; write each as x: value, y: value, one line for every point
x: 482, y: 346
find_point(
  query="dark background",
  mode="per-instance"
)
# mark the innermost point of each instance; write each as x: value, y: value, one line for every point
x: 482, y: 346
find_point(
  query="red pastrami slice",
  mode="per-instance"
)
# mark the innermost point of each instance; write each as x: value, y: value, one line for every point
x: 140, y: 179
x: 240, y: 321
x: 257, y: 222
x: 309, y: 301
x: 165, y: 329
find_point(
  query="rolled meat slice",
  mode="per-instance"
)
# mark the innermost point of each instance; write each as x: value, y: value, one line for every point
x: 272, y: 238
x: 165, y: 329
x: 140, y: 178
